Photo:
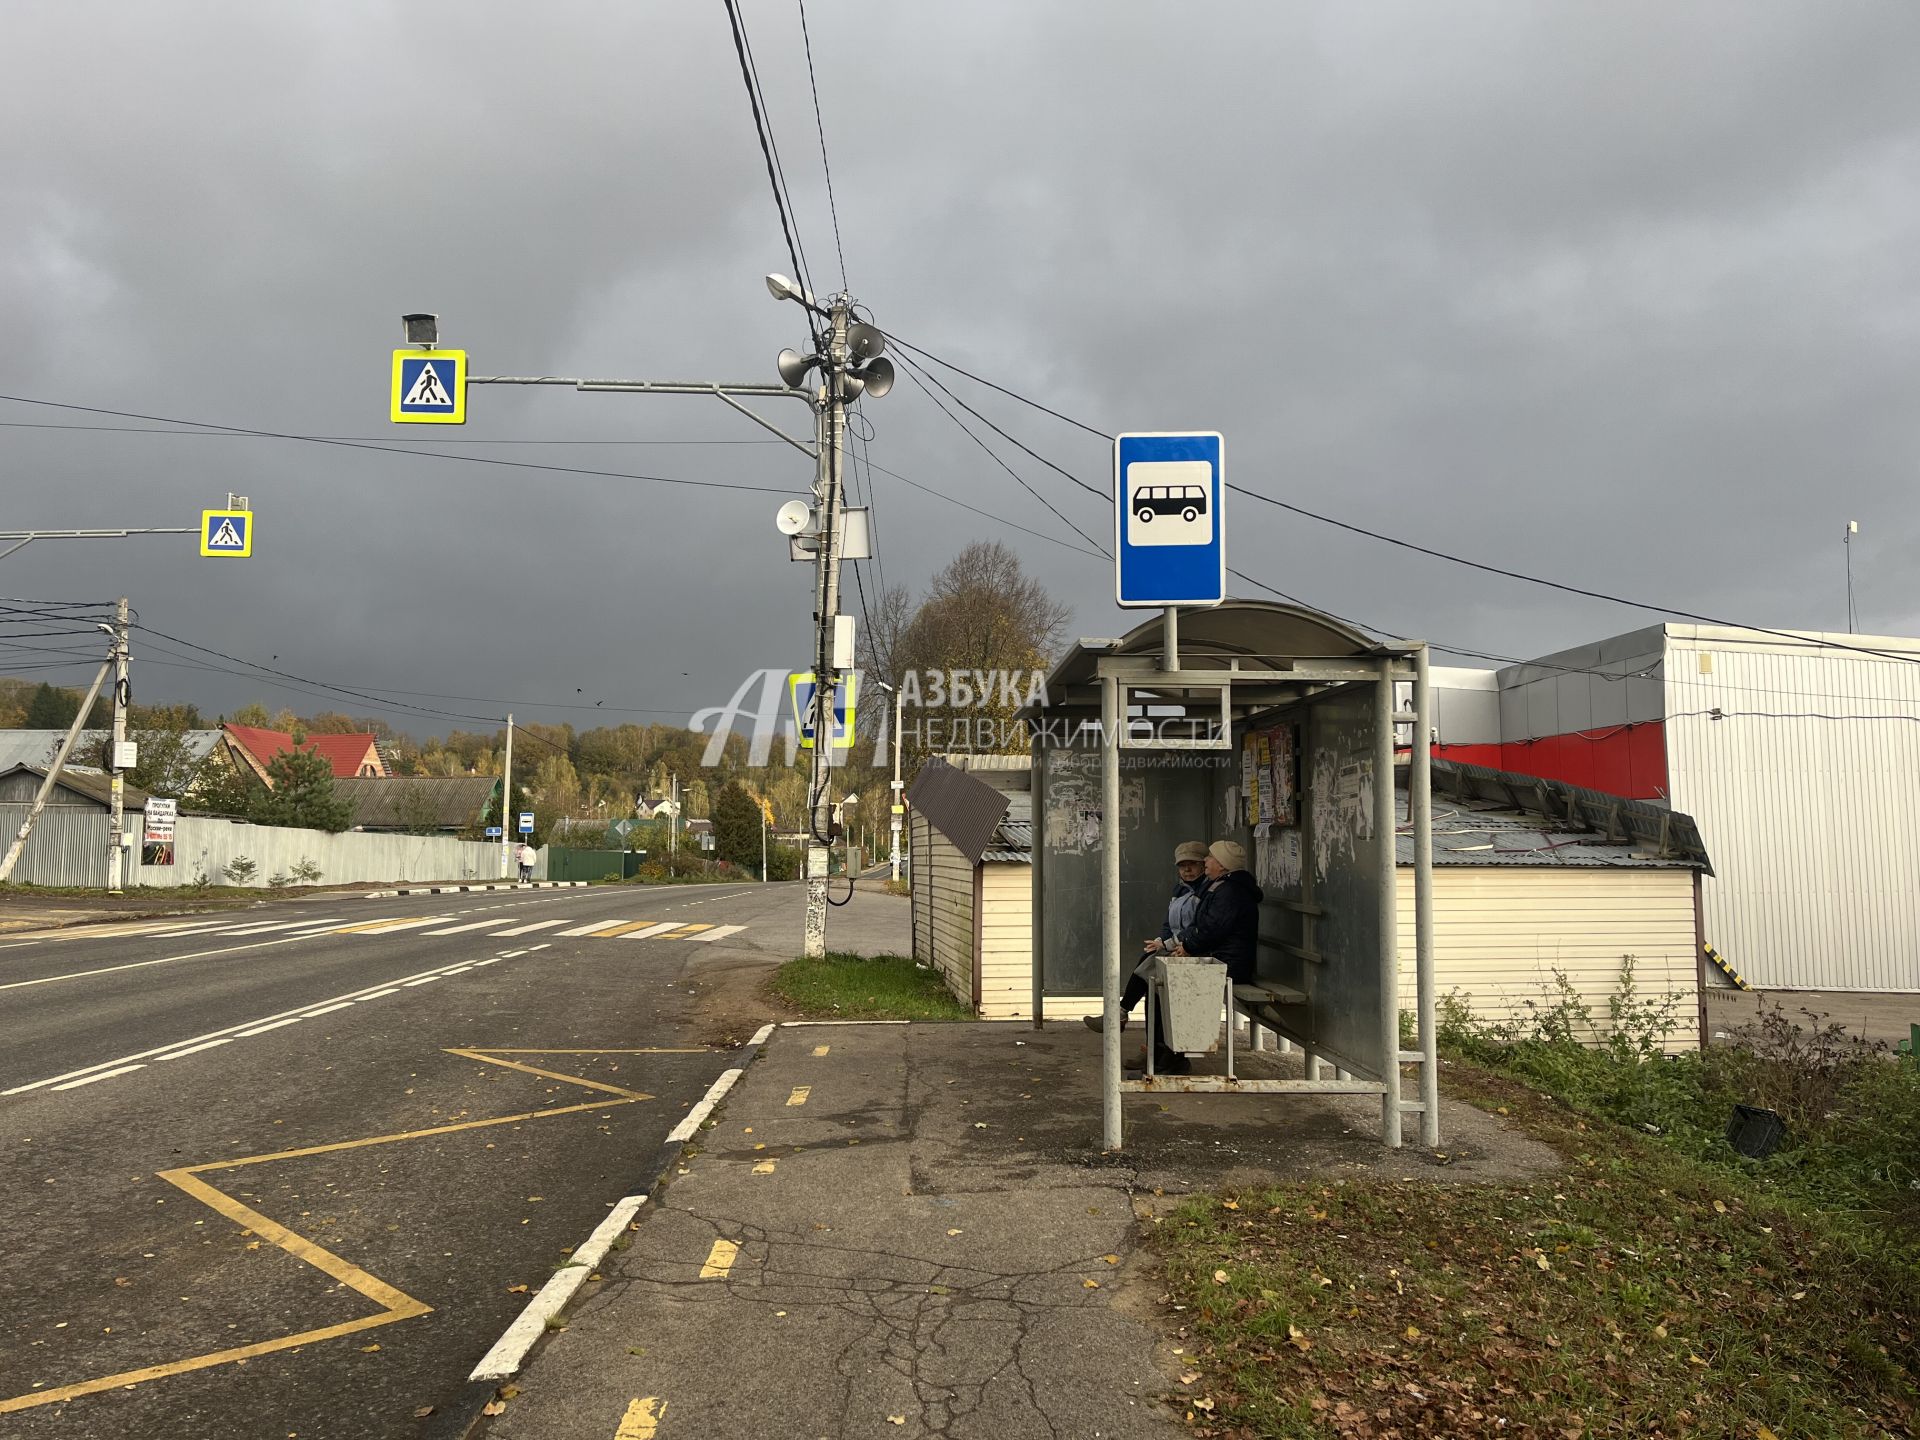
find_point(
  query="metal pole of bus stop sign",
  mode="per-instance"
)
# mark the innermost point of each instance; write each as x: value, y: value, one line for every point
x: 1385, y: 822
x: 1110, y: 908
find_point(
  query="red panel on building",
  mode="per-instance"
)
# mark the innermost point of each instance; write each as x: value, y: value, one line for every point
x: 1626, y: 760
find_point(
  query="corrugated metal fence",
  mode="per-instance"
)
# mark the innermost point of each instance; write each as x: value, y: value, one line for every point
x: 69, y: 847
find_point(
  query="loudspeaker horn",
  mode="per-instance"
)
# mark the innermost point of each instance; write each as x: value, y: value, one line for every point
x: 793, y: 367
x: 876, y: 377
x: 865, y: 341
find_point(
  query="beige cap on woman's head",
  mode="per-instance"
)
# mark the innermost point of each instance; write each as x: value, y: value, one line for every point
x: 1189, y: 850
x: 1231, y: 854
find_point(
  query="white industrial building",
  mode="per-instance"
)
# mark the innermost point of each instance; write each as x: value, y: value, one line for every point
x: 1797, y: 754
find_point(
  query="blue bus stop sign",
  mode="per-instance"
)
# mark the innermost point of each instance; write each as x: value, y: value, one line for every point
x: 1168, y: 500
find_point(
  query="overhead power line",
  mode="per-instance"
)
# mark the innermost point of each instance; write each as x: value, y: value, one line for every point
x: 387, y: 449
x: 821, y: 126
x: 764, y: 134
x: 223, y: 434
x: 911, y: 371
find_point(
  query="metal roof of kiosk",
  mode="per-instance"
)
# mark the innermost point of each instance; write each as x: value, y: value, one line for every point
x: 1274, y: 725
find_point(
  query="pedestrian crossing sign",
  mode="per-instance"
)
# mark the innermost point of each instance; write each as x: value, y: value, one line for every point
x: 429, y: 387
x: 800, y: 688
x: 226, y: 532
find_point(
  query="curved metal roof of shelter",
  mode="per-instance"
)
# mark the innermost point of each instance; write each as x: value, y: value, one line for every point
x: 1254, y: 637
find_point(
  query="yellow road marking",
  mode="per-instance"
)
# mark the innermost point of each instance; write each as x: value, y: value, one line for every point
x: 395, y: 1304
x: 719, y: 1260
x: 684, y: 931
x: 820, y: 1050
x: 799, y: 1095
x: 765, y: 1167
x: 642, y: 1419
x: 374, y: 927
x: 623, y: 930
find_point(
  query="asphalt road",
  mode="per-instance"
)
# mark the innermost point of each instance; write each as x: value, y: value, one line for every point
x: 291, y: 1182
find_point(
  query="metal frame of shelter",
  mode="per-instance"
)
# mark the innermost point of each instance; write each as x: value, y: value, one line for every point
x: 1165, y: 721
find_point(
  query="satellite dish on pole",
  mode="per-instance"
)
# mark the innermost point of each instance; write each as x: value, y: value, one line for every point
x: 793, y: 517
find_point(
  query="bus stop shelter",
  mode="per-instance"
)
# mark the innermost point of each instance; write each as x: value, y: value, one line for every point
x: 1274, y: 725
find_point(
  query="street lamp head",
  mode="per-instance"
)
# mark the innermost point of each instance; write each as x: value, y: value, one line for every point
x: 781, y: 288
x: 422, y: 329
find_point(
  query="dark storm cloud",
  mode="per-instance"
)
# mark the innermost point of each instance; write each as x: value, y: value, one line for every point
x: 1620, y: 293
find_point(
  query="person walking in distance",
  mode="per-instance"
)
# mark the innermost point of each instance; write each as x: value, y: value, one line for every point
x: 525, y: 855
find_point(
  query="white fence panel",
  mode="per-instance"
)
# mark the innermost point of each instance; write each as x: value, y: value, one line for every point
x: 205, y: 846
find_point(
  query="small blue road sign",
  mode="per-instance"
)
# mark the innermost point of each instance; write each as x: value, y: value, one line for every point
x: 1169, y: 542
x: 526, y: 822
x: 429, y: 387
x: 800, y: 687
x: 494, y: 832
x: 226, y: 532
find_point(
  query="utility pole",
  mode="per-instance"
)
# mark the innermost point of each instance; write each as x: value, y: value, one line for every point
x: 673, y: 825
x: 117, y: 757
x: 506, y: 804
x: 826, y: 676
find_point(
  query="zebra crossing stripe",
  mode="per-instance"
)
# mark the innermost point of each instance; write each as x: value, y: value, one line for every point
x: 594, y: 929
x: 648, y: 930
x: 529, y: 929
x: 719, y: 932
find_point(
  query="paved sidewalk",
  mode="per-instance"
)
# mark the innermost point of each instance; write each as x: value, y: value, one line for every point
x: 896, y: 1230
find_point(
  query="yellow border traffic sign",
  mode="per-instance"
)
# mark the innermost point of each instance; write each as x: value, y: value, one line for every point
x: 842, y: 735
x: 207, y: 517
x: 456, y: 387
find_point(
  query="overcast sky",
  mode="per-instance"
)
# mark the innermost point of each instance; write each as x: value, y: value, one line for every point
x: 1628, y: 294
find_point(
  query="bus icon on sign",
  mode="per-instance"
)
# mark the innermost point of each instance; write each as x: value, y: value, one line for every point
x: 1169, y: 502
x: 1189, y: 502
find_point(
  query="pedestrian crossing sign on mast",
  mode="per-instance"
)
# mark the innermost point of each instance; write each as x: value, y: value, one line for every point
x: 226, y: 532
x: 429, y: 387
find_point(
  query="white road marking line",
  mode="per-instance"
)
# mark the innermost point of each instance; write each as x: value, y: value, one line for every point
x: 275, y: 1025
x: 286, y: 925
x: 231, y: 1030
x: 423, y: 980
x: 103, y: 1075
x: 194, y: 1049
x: 504, y: 1359
x: 650, y: 930
x: 717, y: 933
x: 470, y: 925
x: 494, y: 961
x: 528, y: 929
x: 592, y: 929
x: 312, y: 1014
x: 143, y: 964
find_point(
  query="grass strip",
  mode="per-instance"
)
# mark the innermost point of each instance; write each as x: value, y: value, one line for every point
x: 842, y: 986
x: 1639, y: 1292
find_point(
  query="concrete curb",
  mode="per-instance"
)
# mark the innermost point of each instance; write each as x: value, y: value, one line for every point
x: 509, y: 1353
x: 465, y: 889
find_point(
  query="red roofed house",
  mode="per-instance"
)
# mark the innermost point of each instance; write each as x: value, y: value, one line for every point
x: 350, y: 755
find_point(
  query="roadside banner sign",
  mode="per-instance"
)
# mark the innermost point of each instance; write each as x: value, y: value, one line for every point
x: 800, y: 688
x: 226, y: 532
x: 526, y: 822
x: 156, y: 833
x: 1169, y: 492
x: 429, y: 387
